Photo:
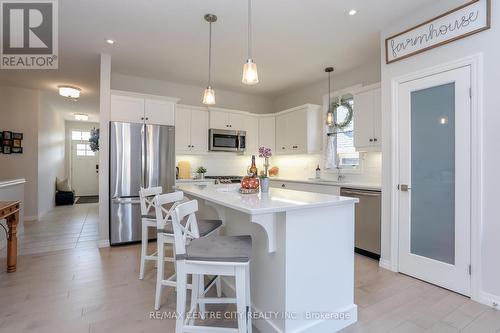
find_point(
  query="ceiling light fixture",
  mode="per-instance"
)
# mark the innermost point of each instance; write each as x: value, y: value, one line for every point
x: 352, y: 12
x: 329, y: 112
x: 250, y: 75
x: 209, y: 94
x: 110, y: 41
x: 81, y: 116
x: 69, y: 92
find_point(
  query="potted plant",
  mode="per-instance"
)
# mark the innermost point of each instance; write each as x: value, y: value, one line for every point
x: 201, y: 171
x: 265, y: 153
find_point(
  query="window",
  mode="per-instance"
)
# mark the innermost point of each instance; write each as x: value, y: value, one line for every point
x: 83, y: 149
x: 80, y: 135
x: 347, y: 157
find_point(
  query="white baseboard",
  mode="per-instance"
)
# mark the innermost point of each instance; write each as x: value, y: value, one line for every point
x: 386, y: 264
x: 489, y: 300
x: 31, y: 218
x: 103, y: 243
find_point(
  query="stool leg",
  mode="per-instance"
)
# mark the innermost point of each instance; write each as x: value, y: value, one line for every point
x: 241, y: 303
x: 201, y: 293
x: 181, y: 298
x: 218, y: 286
x: 195, y: 280
x: 248, y: 298
x: 159, y: 271
x: 144, y: 248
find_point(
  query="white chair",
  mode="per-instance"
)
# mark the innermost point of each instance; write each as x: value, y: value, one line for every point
x: 148, y: 220
x: 165, y: 235
x: 216, y: 255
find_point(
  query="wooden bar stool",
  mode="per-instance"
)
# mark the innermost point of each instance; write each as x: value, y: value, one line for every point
x: 165, y: 235
x: 215, y: 255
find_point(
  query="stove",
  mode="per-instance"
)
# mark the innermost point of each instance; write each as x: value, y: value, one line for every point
x: 225, y: 179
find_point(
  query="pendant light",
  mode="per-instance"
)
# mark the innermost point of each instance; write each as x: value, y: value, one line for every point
x: 329, y: 112
x: 250, y: 75
x: 209, y: 94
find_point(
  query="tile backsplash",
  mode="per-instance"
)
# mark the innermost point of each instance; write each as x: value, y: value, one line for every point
x: 291, y: 166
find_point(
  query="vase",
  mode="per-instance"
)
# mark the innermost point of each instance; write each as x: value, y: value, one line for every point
x: 264, y: 185
x: 202, y: 176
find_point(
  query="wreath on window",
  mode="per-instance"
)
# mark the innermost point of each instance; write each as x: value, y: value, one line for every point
x: 94, y: 139
x: 348, y: 117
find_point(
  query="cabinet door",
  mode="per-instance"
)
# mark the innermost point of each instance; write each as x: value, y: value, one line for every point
x: 363, y: 119
x: 182, y: 129
x: 199, y: 131
x: 297, y: 131
x: 127, y: 109
x: 377, y: 117
x: 219, y: 120
x: 160, y: 112
x: 267, y: 132
x: 237, y: 121
x: 252, y: 129
x: 281, y: 134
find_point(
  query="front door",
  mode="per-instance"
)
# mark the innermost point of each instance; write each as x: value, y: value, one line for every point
x: 434, y: 186
x: 84, y: 169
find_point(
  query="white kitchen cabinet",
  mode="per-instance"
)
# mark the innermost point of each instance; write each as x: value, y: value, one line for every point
x: 367, y: 120
x: 298, y: 130
x: 137, y: 108
x: 267, y: 132
x: 127, y: 109
x: 227, y: 120
x: 191, y: 130
x: 251, y: 126
x: 305, y: 186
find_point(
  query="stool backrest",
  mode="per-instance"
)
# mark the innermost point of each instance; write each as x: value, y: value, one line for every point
x: 163, y: 214
x: 184, y: 232
x: 147, y: 196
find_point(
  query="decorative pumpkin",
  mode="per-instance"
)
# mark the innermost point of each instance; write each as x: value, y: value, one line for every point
x: 249, y: 182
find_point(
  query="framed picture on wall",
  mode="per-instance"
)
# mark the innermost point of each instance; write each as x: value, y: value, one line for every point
x: 16, y: 150
x: 7, y: 135
x: 1, y: 137
x: 17, y: 136
x: 16, y: 143
x: 7, y: 149
x: 6, y: 142
x: 1, y: 149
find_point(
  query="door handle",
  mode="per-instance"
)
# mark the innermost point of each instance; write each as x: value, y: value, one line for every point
x: 404, y: 188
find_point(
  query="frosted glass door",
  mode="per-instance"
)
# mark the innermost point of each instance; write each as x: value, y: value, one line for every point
x: 434, y: 175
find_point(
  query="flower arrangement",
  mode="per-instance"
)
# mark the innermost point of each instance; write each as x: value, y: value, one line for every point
x: 265, y: 153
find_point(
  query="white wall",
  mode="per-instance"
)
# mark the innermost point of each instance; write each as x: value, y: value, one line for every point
x: 51, y: 151
x: 314, y: 92
x: 190, y: 94
x: 486, y: 43
x: 19, y: 113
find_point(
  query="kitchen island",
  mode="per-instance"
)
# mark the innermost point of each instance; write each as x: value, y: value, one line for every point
x: 302, y: 267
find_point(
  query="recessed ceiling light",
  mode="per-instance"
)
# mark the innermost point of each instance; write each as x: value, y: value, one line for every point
x: 352, y: 12
x: 110, y: 41
x: 69, y: 91
x: 81, y: 116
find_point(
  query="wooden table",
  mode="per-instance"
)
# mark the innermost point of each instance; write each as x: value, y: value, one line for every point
x: 9, y: 210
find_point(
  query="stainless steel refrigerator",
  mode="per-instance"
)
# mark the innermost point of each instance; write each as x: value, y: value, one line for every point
x: 140, y: 155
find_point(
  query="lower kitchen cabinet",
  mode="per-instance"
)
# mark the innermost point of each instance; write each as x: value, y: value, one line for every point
x: 308, y: 187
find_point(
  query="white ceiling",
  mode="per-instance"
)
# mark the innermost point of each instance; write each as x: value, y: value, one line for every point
x: 168, y: 40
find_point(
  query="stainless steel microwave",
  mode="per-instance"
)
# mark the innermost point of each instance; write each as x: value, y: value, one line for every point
x: 226, y: 140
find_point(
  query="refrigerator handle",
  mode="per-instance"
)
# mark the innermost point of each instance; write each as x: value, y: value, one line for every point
x: 143, y: 156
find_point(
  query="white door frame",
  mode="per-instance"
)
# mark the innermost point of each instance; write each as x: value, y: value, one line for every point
x: 476, y: 64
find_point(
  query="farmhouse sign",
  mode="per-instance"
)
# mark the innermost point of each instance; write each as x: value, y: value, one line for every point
x: 458, y: 23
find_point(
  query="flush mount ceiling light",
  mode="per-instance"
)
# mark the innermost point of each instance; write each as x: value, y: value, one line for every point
x: 81, y: 116
x: 250, y: 75
x: 352, y: 12
x: 69, y: 91
x: 329, y: 112
x: 110, y: 41
x: 209, y: 94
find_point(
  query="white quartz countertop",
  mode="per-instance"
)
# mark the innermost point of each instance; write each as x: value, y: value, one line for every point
x: 362, y: 186
x: 190, y: 181
x: 277, y: 200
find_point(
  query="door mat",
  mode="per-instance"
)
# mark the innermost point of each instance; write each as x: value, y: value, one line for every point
x: 87, y: 199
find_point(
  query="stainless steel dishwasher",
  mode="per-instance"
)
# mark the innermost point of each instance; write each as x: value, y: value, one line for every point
x: 367, y: 221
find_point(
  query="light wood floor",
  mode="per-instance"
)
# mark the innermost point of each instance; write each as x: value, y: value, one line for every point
x: 81, y: 289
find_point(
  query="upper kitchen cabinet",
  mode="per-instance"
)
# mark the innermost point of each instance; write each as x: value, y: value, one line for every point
x: 267, y: 132
x: 226, y: 119
x: 138, y: 108
x: 251, y: 126
x: 367, y: 120
x: 191, y: 129
x: 298, y: 130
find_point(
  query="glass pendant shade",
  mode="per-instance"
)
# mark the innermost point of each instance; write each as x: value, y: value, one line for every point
x: 250, y: 75
x: 209, y: 96
x: 329, y: 118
